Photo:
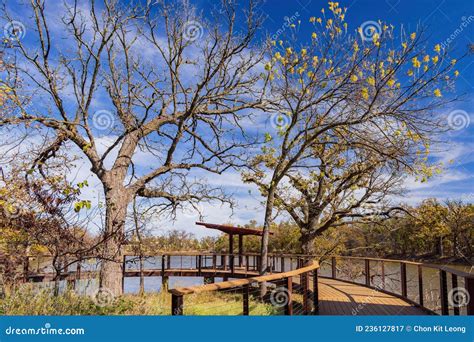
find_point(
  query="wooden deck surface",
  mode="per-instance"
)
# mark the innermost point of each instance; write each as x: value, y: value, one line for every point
x: 341, y: 298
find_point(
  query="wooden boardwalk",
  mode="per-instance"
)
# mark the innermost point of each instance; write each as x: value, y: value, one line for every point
x: 340, y: 298
x: 297, y: 274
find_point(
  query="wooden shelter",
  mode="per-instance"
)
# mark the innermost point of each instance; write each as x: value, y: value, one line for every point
x: 231, y: 231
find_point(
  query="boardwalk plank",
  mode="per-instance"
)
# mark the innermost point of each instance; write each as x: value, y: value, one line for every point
x: 340, y: 298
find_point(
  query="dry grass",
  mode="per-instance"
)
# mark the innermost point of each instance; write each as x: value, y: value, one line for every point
x: 41, y: 302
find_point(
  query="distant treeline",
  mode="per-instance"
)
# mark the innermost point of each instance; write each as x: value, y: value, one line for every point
x: 431, y: 230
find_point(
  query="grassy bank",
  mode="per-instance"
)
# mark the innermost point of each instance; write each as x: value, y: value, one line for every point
x: 29, y: 302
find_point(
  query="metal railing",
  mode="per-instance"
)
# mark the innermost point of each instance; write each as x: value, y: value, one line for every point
x: 451, y: 293
x: 436, y: 289
x: 280, y: 296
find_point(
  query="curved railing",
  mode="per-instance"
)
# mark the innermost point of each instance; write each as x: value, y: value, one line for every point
x: 434, y: 288
x: 437, y: 289
x: 283, y: 288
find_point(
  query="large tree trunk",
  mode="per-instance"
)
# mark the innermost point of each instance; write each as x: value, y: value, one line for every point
x: 307, y: 244
x: 111, y: 273
x: 265, y: 238
x: 439, y: 250
x: 266, y: 231
x: 142, y: 276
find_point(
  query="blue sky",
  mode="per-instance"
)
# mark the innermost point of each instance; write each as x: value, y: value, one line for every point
x: 448, y: 22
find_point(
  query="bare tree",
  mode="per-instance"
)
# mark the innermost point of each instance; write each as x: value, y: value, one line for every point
x: 177, y: 87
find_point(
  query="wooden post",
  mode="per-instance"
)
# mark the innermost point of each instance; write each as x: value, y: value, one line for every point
x: 403, y: 279
x: 214, y: 261
x: 289, y: 304
x: 443, y: 291
x: 333, y: 268
x: 241, y: 249
x: 315, y: 292
x: 231, y: 244
x: 367, y: 272
x: 247, y: 263
x: 469, y: 285
x: 224, y: 262
x: 199, y: 265
x: 164, y: 278
x: 163, y: 260
x: 454, y: 282
x: 421, y: 294
x: 246, y: 292
x: 383, y: 274
x: 176, y: 305
x: 282, y: 267
x: 168, y: 261
x: 306, y: 303
x: 124, y: 265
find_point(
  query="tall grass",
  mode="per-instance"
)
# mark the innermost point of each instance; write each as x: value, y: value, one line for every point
x: 27, y: 301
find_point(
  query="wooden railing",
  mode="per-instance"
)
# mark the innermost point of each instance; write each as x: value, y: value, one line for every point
x: 247, y: 286
x: 431, y: 287
x: 453, y: 297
